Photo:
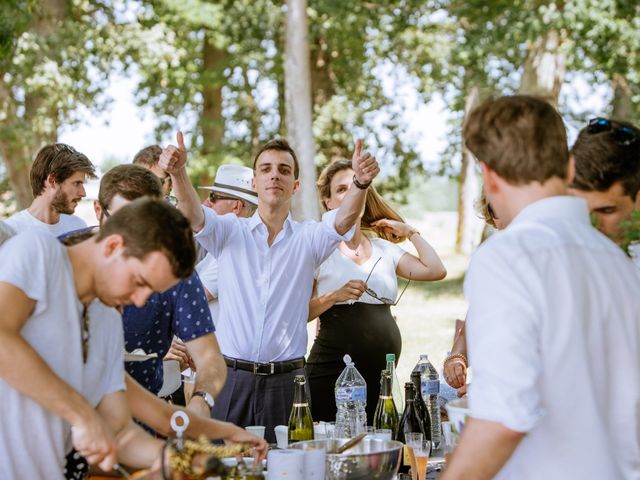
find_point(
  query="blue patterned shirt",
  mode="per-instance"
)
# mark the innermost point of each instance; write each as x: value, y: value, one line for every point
x: 182, y: 311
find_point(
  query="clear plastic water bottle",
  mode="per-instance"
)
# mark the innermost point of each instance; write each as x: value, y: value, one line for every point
x: 351, y: 400
x: 430, y: 383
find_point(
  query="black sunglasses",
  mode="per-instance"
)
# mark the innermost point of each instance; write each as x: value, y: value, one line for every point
x: 385, y: 300
x: 213, y: 196
x: 621, y: 135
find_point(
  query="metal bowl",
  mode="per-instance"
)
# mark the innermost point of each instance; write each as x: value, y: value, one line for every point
x: 372, y: 458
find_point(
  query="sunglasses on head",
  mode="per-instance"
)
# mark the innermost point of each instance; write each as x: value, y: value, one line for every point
x: 620, y: 134
x: 213, y: 196
x: 385, y: 300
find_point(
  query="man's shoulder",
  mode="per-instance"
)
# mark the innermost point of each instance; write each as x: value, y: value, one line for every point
x: 72, y: 222
x: 19, y: 220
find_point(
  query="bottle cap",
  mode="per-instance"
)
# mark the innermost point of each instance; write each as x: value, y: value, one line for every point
x: 391, y: 357
x: 347, y: 359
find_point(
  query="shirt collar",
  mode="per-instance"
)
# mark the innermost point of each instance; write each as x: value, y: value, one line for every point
x: 255, y: 220
x: 560, y: 207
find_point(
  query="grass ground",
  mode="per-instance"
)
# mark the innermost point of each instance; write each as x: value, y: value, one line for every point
x: 427, y: 312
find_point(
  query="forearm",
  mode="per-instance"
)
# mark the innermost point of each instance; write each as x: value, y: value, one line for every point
x: 211, y: 374
x: 428, y: 257
x: 156, y: 413
x: 483, y: 450
x: 351, y: 209
x: 136, y: 448
x: 460, y: 344
x: 319, y: 305
x: 32, y: 373
x: 188, y: 201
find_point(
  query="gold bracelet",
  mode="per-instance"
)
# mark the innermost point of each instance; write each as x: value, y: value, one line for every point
x: 456, y: 355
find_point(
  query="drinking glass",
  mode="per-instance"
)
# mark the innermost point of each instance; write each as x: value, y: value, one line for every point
x: 414, y: 439
x: 383, y: 434
x: 421, y: 453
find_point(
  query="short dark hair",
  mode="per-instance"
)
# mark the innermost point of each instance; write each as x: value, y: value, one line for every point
x: 280, y: 145
x: 60, y: 161
x: 130, y: 182
x: 148, y: 156
x: 151, y: 225
x: 601, y: 160
x: 521, y: 138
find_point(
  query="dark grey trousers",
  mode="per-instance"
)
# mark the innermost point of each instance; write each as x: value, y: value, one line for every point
x: 248, y: 399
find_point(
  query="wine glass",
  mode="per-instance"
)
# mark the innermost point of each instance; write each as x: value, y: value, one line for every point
x: 421, y: 453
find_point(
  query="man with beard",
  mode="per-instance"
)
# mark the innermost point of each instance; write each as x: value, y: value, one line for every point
x: 57, y: 180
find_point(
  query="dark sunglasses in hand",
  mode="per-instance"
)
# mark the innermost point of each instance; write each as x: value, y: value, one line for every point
x: 620, y: 134
x: 385, y: 300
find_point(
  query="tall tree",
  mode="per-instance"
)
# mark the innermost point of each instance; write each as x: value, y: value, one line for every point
x: 297, y: 80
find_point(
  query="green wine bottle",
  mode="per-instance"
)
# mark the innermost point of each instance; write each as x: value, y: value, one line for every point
x: 386, y: 415
x: 300, y: 421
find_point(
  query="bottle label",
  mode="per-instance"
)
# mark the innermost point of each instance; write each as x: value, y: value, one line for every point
x: 429, y: 387
x: 406, y: 458
x: 351, y: 394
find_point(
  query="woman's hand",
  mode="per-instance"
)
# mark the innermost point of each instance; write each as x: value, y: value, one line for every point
x: 178, y: 351
x: 352, y: 290
x: 462, y: 391
x: 455, y: 372
x: 394, y: 227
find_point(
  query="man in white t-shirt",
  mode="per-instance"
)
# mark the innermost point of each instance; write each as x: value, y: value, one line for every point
x: 48, y: 296
x: 230, y: 193
x: 57, y: 180
x: 553, y: 327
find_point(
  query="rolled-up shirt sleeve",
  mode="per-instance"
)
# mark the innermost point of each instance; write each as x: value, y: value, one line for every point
x: 503, y: 335
x: 324, y: 238
x: 216, y: 231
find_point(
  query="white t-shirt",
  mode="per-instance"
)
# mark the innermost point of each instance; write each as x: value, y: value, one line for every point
x: 208, y: 272
x: 32, y: 439
x: 553, y: 334
x: 338, y: 269
x: 23, y: 220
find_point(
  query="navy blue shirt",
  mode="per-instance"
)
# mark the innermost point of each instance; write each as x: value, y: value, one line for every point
x: 182, y: 311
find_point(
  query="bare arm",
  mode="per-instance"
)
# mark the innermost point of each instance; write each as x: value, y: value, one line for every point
x: 156, y: 413
x: 352, y: 290
x: 455, y: 365
x: 136, y: 448
x: 427, y: 265
x: 365, y: 168
x: 173, y: 160
x: 25, y: 371
x: 212, y: 371
x: 483, y: 450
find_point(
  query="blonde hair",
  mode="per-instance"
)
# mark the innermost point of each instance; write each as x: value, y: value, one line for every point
x: 375, y: 206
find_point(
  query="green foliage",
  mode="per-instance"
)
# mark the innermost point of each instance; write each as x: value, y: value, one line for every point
x: 631, y: 229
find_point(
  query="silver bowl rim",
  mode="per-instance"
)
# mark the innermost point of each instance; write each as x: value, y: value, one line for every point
x: 396, y: 445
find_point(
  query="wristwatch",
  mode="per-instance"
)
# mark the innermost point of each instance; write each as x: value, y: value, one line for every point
x: 206, y: 396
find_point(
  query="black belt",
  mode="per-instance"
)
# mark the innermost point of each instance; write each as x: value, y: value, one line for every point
x: 270, y: 368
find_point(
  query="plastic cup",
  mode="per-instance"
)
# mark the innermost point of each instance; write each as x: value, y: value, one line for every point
x: 256, y: 430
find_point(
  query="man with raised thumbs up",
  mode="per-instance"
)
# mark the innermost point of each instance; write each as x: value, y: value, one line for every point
x: 268, y: 262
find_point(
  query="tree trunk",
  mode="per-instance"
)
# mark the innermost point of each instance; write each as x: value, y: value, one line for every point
x: 253, y: 114
x: 211, y: 120
x: 37, y: 121
x: 544, y: 68
x: 622, y: 106
x: 298, y: 107
x: 470, y: 225
x: 322, y: 78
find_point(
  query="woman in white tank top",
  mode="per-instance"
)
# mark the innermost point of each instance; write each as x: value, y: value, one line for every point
x: 355, y: 288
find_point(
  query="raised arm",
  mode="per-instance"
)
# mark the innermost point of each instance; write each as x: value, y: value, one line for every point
x: 365, y: 169
x: 174, y: 160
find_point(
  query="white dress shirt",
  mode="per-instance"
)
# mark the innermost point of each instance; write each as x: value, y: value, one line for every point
x: 265, y: 291
x: 207, y: 270
x: 554, y: 342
